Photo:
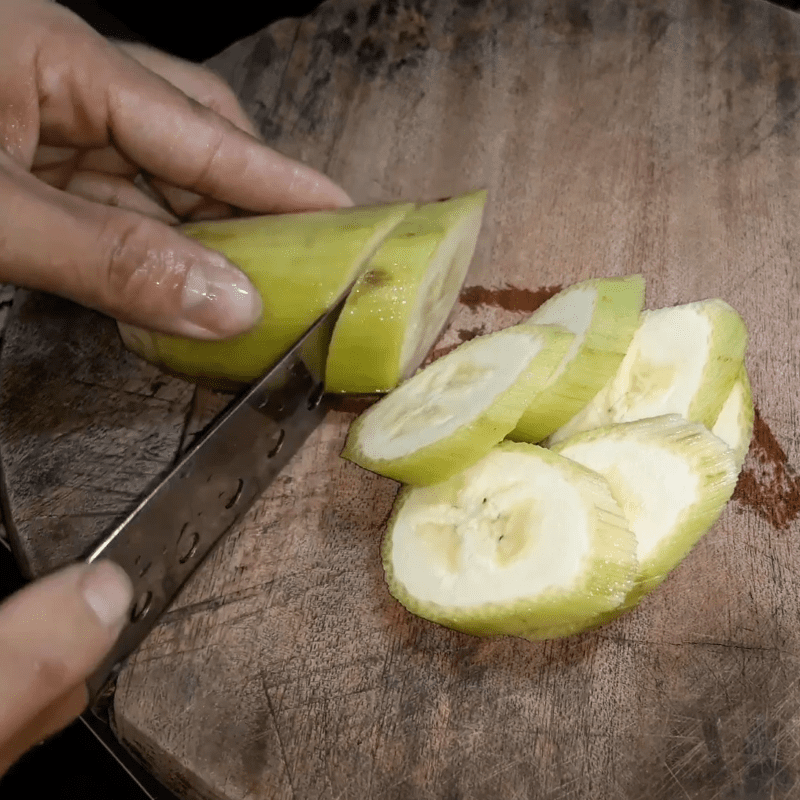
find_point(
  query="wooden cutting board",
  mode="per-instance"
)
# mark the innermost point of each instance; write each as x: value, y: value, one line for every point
x: 613, y: 137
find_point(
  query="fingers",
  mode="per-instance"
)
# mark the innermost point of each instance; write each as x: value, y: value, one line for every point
x: 53, y: 634
x: 93, y: 94
x: 194, y: 81
x: 55, y: 165
x: 210, y: 91
x: 102, y: 176
x: 119, y: 192
x: 192, y: 147
x: 129, y: 266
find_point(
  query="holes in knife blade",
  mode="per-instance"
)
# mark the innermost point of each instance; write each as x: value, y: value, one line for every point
x: 298, y: 370
x: 277, y: 443
x: 272, y: 405
x: 187, y: 545
x: 315, y: 398
x: 236, y: 495
x: 141, y: 607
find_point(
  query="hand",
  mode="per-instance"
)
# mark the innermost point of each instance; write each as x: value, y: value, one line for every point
x: 53, y: 634
x: 80, y: 119
x: 81, y: 122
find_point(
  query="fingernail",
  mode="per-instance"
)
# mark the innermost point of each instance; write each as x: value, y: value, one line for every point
x: 107, y: 590
x: 218, y: 301
x: 345, y: 201
x: 335, y: 193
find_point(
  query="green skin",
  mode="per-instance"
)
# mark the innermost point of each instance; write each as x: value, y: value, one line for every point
x: 600, y: 587
x: 444, y: 458
x: 614, y: 321
x: 366, y: 350
x: 300, y: 263
x: 707, y: 456
x: 724, y: 364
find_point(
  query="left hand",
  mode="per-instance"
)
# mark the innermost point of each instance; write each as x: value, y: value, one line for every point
x: 53, y: 634
x: 80, y: 119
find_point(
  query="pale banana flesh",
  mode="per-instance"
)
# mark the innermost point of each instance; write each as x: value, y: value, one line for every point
x: 448, y: 415
x: 520, y: 542
x: 467, y: 552
x: 672, y: 479
x: 682, y: 360
x: 401, y: 303
x: 734, y: 425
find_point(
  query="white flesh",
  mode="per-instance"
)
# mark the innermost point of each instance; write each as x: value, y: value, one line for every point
x: 512, y: 531
x: 662, y: 372
x: 734, y: 424
x: 446, y: 395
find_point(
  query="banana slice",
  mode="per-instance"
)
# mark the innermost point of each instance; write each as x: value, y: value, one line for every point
x: 450, y: 414
x: 682, y: 360
x: 300, y: 263
x: 401, y: 303
x: 603, y: 314
x: 671, y: 477
x: 522, y: 543
x: 734, y: 424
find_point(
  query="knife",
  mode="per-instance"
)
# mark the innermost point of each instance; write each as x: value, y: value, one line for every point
x: 167, y: 536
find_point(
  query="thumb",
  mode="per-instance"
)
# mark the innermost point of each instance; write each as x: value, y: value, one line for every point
x: 53, y: 634
x: 116, y: 261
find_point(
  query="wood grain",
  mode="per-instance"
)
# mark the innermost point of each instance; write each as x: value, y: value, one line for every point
x: 86, y: 428
x: 613, y: 137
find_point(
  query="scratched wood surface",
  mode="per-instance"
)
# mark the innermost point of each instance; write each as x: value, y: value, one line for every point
x: 613, y: 137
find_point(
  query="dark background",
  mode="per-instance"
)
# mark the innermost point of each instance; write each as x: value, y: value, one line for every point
x: 189, y: 29
x: 84, y: 762
x: 196, y: 34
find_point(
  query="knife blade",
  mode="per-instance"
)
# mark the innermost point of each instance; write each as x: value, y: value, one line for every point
x: 171, y: 531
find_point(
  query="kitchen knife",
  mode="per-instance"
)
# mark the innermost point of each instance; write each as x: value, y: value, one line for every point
x: 167, y: 536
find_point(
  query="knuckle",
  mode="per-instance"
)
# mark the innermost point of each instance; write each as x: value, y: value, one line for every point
x: 215, y: 92
x: 143, y: 270
x: 205, y: 181
x: 126, y: 262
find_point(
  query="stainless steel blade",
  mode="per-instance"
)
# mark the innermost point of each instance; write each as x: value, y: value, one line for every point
x: 164, y: 540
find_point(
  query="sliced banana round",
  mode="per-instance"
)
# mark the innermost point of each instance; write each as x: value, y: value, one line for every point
x: 671, y: 477
x: 449, y: 415
x: 603, y: 314
x: 734, y: 424
x: 523, y: 543
x: 682, y: 360
x: 399, y: 306
x: 299, y: 263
